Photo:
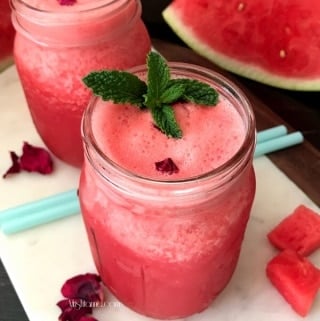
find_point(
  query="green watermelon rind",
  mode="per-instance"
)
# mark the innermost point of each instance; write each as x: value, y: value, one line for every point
x: 256, y: 73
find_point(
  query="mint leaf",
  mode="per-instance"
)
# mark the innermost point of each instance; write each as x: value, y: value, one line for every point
x: 173, y: 93
x: 118, y: 86
x: 165, y: 119
x: 157, y: 95
x: 158, y: 79
x: 196, y: 91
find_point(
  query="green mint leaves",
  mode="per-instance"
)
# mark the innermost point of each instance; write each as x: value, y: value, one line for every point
x: 157, y: 94
x: 118, y: 86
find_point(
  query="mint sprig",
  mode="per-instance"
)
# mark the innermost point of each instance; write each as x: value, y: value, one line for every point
x: 157, y: 94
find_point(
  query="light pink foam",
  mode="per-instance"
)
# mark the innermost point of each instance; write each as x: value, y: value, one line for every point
x: 211, y: 136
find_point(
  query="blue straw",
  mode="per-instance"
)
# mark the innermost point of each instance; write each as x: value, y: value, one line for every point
x: 275, y: 144
x: 37, y: 206
x: 271, y: 133
x: 67, y: 208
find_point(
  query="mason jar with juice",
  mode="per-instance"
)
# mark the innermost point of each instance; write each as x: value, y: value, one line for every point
x: 165, y: 216
x: 60, y: 41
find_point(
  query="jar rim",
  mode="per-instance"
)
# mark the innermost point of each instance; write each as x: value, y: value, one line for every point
x: 70, y: 9
x: 242, y: 156
x: 70, y: 14
x: 81, y: 25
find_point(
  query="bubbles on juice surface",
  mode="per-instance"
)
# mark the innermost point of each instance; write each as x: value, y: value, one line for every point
x: 211, y: 136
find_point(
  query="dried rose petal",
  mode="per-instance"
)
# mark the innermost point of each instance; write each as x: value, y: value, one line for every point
x: 67, y: 2
x: 15, y: 167
x: 73, y: 310
x: 84, y: 286
x: 35, y: 159
x: 63, y: 304
x: 167, y: 166
x: 87, y: 318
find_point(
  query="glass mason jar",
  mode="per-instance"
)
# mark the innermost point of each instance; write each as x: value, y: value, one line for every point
x: 166, y: 248
x: 56, y: 46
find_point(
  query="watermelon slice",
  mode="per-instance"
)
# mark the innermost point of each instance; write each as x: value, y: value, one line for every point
x: 296, y: 278
x: 275, y: 42
x: 300, y: 231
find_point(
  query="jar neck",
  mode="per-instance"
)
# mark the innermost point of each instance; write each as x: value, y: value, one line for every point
x: 213, y: 180
x: 83, y: 24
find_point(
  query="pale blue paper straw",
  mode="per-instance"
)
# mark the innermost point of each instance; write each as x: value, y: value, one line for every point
x: 17, y: 224
x: 279, y: 143
x: 271, y: 133
x: 37, y: 206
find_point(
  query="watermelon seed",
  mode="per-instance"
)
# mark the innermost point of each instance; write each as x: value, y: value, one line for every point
x: 240, y: 6
x: 282, y: 53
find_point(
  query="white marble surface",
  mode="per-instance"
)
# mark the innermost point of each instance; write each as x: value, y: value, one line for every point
x: 38, y: 261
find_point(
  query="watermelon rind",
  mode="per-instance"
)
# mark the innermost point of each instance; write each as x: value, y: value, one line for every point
x: 256, y: 73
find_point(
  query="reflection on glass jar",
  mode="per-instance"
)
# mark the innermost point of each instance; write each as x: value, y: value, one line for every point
x: 57, y: 45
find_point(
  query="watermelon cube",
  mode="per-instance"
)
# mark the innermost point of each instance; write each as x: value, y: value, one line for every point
x: 296, y: 279
x: 300, y: 231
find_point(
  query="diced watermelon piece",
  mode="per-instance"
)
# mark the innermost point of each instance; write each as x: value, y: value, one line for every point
x: 296, y: 278
x: 300, y: 231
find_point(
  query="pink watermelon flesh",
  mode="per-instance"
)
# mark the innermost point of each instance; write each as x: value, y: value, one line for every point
x: 6, y: 35
x: 300, y: 231
x: 296, y: 279
x: 273, y: 41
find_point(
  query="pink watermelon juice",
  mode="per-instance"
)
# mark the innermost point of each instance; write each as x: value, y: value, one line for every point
x: 6, y: 34
x: 167, y: 245
x: 56, y: 45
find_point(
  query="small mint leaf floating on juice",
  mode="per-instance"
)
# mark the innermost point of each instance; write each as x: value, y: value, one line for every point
x: 67, y: 2
x: 118, y: 86
x: 196, y: 91
x: 158, y: 94
x: 166, y: 122
x: 158, y: 79
x: 167, y: 166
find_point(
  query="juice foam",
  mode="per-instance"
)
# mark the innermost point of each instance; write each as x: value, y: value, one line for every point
x: 211, y: 136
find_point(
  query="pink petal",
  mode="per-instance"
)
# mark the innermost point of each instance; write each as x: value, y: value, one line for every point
x: 73, y: 309
x: 15, y: 167
x: 67, y: 2
x: 35, y: 159
x: 87, y: 318
x: 167, y: 166
x: 84, y: 286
